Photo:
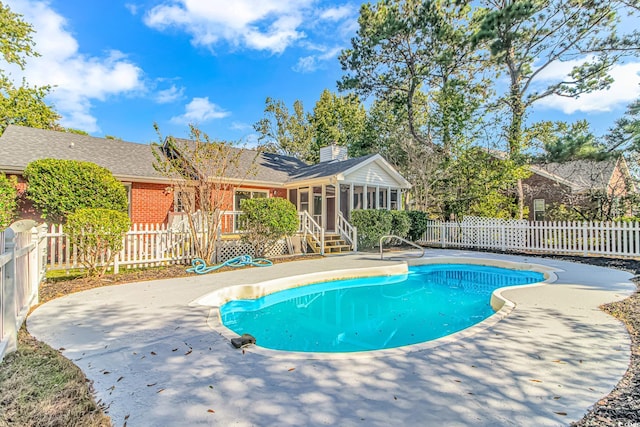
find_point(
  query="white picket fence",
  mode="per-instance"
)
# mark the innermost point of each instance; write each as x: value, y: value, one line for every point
x: 22, y: 254
x: 609, y: 239
x: 145, y: 245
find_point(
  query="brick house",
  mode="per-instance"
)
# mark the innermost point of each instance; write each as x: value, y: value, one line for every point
x: 579, y: 185
x: 337, y: 185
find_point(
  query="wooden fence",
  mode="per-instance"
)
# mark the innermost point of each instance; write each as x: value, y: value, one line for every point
x: 609, y: 239
x: 22, y: 254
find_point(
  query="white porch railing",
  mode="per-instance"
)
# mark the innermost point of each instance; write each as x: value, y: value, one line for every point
x: 612, y: 239
x: 308, y: 227
x: 348, y: 232
x: 22, y: 254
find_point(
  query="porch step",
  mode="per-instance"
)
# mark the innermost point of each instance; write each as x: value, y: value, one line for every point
x: 333, y: 244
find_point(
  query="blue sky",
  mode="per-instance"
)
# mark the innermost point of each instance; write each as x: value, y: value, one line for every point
x: 119, y: 66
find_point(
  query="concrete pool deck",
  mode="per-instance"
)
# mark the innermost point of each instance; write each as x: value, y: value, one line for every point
x: 155, y: 361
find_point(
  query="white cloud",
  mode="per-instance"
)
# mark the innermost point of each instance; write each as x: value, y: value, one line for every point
x: 132, y: 8
x: 308, y: 64
x: 200, y: 110
x: 337, y: 13
x: 270, y: 25
x: 78, y: 79
x: 169, y: 95
x: 626, y: 88
x: 241, y: 126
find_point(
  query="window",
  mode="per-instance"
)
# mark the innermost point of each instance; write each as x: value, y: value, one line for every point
x: 538, y: 209
x: 394, y: 200
x: 247, y: 194
x: 382, y: 204
x: 304, y: 199
x: 127, y: 187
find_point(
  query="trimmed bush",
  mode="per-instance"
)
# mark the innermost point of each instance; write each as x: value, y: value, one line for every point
x: 419, y: 221
x: 8, y: 203
x: 372, y: 225
x: 266, y: 221
x: 400, y: 223
x: 58, y: 188
x: 98, y: 235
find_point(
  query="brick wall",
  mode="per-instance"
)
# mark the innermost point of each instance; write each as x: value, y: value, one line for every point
x: 540, y: 187
x: 150, y: 203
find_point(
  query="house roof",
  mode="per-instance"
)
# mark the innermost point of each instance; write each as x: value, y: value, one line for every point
x: 580, y: 175
x: 21, y: 145
x: 327, y: 169
x: 268, y: 167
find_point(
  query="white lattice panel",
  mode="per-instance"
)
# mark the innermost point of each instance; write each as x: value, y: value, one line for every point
x: 231, y: 249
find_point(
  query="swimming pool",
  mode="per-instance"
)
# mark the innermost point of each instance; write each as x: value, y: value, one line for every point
x: 429, y: 302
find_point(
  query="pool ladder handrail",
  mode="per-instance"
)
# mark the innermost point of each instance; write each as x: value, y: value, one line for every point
x: 389, y: 236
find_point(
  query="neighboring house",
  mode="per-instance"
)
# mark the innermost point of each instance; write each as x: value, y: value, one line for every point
x: 335, y: 185
x: 579, y: 185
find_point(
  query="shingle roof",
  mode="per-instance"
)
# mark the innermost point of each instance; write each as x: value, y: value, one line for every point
x: 268, y: 167
x: 581, y: 175
x: 326, y: 169
x: 21, y: 145
x: 279, y: 168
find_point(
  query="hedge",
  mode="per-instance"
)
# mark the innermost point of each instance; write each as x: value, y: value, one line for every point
x: 58, y: 188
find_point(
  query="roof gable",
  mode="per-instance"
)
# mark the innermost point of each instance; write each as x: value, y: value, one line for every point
x: 371, y: 169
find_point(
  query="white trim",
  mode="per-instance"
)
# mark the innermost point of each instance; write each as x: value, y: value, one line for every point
x: 378, y: 159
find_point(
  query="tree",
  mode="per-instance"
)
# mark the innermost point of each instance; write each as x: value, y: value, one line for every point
x: 16, y: 42
x: 526, y: 38
x: 416, y: 58
x: 25, y: 106
x: 58, y: 188
x: 479, y: 183
x: 387, y: 133
x: 286, y: 133
x: 562, y: 141
x: 417, y: 55
x: 22, y: 105
x: 8, y: 204
x: 266, y: 221
x: 204, y: 174
x: 337, y: 119
x: 625, y: 135
x: 98, y: 235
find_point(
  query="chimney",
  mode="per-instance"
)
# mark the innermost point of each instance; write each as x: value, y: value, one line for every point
x: 333, y: 152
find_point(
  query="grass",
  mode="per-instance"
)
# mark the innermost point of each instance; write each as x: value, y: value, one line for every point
x: 40, y: 387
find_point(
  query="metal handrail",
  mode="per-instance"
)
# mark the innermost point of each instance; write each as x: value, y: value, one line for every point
x: 388, y: 236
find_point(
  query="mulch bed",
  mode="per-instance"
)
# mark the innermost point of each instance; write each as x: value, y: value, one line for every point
x: 58, y: 288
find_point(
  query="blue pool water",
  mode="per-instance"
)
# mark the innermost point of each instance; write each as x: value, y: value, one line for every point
x: 429, y: 302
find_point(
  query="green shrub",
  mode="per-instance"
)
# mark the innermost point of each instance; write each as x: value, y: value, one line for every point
x: 98, y: 234
x: 400, y: 223
x: 266, y: 221
x: 58, y: 188
x: 8, y: 203
x: 372, y: 225
x: 419, y: 222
